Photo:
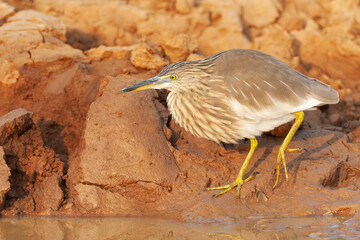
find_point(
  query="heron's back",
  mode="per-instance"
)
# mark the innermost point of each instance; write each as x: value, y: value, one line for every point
x: 261, y: 80
x: 245, y: 93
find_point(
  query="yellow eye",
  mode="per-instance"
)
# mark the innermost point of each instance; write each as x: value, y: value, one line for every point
x: 173, y: 77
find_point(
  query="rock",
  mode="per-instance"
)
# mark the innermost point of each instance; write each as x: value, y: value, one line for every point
x: 47, y: 52
x: 307, y: 9
x: 224, y: 13
x: 96, y: 19
x: 14, y: 52
x: 312, y: 26
x: 131, y: 15
x: 103, y: 52
x: 126, y: 154
x: 199, y: 20
x: 41, y: 22
x: 4, y: 177
x: 143, y: 56
x: 5, y: 11
x: 14, y: 123
x: 335, y: 57
x: 230, y: 38
x: 183, y: 6
x: 218, y: 6
x: 177, y: 46
x: 278, y: 43
x: 42, y: 41
x: 291, y: 19
x: 342, y: 19
x: 159, y: 23
x: 225, y: 22
x: 12, y: 75
x: 259, y: 13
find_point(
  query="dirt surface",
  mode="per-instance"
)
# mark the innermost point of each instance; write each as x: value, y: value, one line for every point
x: 76, y: 148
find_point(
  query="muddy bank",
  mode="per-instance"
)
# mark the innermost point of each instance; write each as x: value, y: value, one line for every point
x: 75, y: 148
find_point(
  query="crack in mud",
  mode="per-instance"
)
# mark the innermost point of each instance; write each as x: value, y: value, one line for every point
x: 121, y: 187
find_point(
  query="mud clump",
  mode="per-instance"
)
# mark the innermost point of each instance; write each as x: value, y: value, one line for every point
x: 343, y: 175
x: 81, y: 150
x: 36, y: 171
x: 4, y: 175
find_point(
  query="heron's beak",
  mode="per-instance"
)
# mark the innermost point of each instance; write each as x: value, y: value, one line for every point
x: 152, y: 83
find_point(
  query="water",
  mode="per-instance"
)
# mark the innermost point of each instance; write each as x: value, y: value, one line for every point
x: 23, y: 228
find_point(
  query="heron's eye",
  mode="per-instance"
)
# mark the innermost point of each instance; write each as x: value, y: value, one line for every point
x: 173, y: 77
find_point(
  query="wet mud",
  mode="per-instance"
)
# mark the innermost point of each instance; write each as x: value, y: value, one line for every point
x: 156, y: 228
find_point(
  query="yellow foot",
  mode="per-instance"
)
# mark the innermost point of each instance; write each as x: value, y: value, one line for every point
x: 294, y: 150
x: 280, y: 157
x: 299, y: 116
x: 238, y: 183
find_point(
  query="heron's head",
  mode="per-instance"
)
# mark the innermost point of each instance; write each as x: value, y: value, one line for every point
x: 173, y: 77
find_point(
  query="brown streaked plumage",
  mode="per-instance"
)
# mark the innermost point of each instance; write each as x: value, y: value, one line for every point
x: 238, y: 94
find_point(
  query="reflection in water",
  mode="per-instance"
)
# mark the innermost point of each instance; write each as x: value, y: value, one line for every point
x: 149, y: 228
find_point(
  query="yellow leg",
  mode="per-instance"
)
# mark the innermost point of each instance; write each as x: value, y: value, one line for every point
x: 239, y: 180
x: 299, y: 117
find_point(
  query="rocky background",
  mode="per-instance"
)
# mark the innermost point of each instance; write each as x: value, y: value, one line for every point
x: 70, y: 146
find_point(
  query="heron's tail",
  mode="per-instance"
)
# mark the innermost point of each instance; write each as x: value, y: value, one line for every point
x: 323, y: 92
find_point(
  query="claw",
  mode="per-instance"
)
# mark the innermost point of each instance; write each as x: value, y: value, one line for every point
x: 218, y: 188
x: 294, y: 150
x: 239, y: 180
x: 280, y: 158
x: 227, y: 188
x: 284, y: 164
x: 238, y: 183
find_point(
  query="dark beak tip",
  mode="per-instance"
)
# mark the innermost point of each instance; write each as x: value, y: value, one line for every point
x: 136, y: 86
x: 124, y: 90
